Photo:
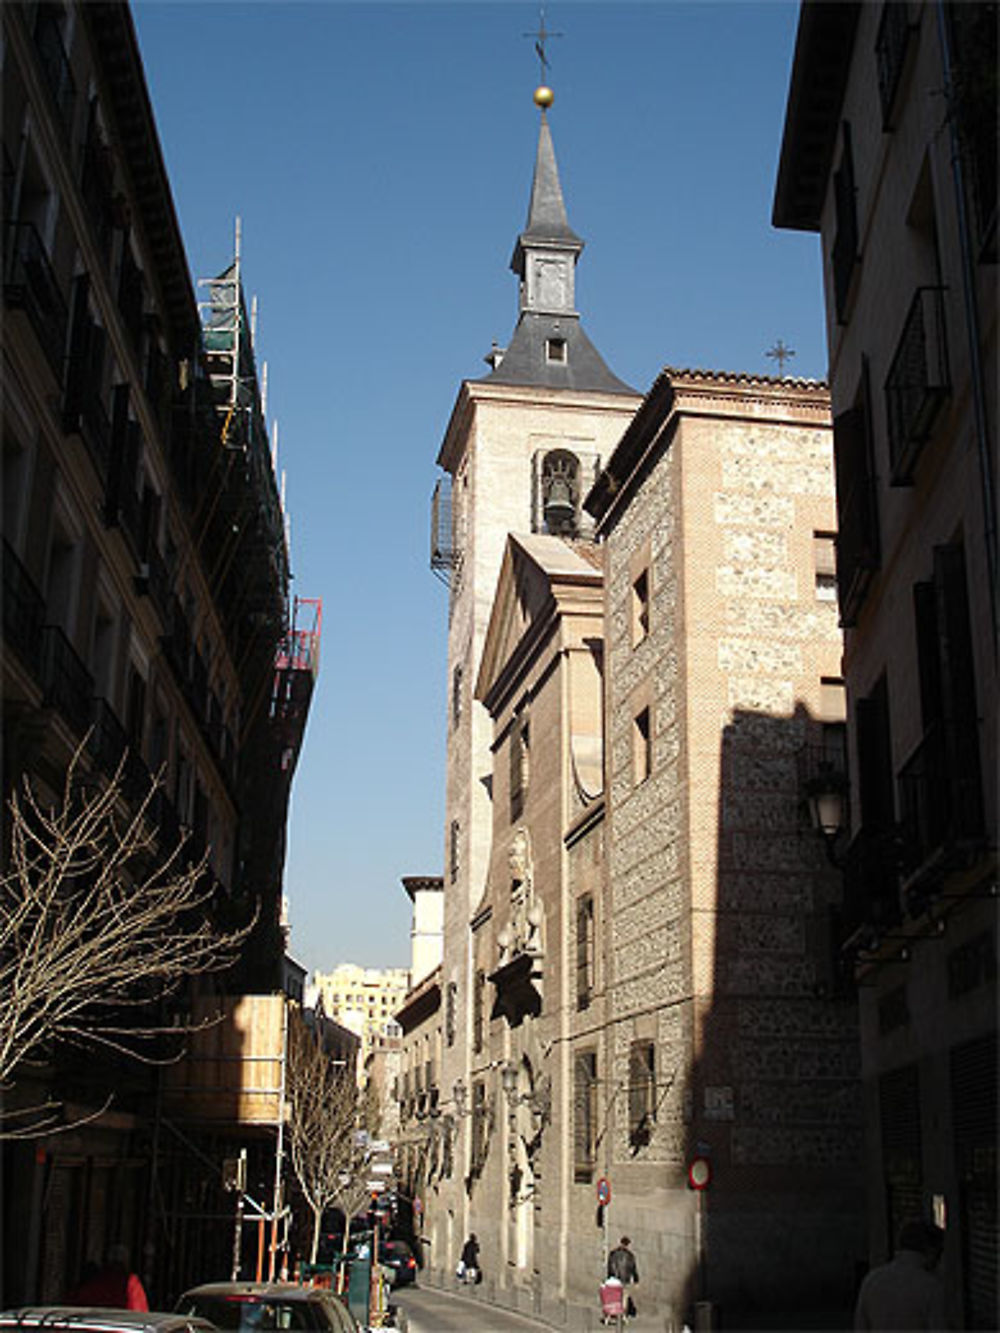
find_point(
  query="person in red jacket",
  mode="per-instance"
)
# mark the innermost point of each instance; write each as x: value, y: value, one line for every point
x: 114, y: 1286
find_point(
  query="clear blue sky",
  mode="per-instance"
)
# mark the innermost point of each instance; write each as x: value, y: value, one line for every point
x: 380, y: 157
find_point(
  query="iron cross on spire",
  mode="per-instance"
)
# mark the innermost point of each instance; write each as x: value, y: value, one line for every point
x: 541, y: 37
x: 780, y: 353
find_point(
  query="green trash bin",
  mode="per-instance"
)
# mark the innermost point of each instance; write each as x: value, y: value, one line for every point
x: 359, y: 1288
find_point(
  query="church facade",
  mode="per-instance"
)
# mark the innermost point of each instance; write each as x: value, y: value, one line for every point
x: 643, y: 675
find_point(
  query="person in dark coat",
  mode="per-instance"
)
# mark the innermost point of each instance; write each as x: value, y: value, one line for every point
x: 622, y: 1265
x: 470, y: 1260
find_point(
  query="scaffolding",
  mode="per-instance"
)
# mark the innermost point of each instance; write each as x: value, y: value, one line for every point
x: 252, y: 558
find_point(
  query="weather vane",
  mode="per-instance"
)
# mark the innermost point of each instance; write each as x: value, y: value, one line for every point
x: 780, y: 353
x: 541, y: 37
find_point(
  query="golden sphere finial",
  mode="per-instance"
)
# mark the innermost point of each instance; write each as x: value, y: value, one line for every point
x: 544, y: 97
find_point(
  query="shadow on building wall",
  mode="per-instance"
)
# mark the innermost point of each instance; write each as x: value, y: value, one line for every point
x: 775, y: 1087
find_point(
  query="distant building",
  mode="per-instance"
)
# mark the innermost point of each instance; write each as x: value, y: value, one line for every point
x: 890, y: 155
x: 365, y: 1000
x: 425, y: 1132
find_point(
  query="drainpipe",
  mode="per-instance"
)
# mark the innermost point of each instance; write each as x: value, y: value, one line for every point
x: 971, y: 326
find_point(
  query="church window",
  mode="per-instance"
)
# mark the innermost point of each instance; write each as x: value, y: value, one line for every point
x: 641, y: 1089
x: 584, y: 951
x: 642, y: 753
x: 453, y: 849
x: 456, y: 696
x: 560, y: 492
x: 825, y: 564
x: 555, y: 350
x: 519, y: 752
x: 640, y: 607
x: 584, y: 1116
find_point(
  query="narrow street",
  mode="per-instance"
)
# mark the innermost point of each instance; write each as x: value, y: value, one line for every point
x: 429, y: 1310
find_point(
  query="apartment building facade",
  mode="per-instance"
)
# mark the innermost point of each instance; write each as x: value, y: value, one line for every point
x: 138, y: 631
x: 890, y: 156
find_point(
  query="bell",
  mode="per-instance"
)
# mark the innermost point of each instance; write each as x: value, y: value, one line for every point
x: 560, y: 511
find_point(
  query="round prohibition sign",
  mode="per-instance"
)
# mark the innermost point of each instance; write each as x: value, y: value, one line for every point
x: 700, y: 1173
x: 604, y: 1190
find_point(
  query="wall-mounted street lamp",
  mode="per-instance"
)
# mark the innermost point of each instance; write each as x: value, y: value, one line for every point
x: 826, y: 795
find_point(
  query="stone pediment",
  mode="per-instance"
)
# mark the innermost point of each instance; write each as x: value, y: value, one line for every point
x: 533, y: 566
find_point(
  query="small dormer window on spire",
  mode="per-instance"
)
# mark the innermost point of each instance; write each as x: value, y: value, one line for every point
x: 555, y: 351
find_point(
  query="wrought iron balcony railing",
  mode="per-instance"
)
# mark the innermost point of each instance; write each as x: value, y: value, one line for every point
x: 96, y: 187
x: 109, y: 745
x: 940, y: 792
x: 69, y: 686
x: 23, y: 612
x: 918, y: 381
x: 153, y: 579
x: 95, y: 426
x: 55, y: 63
x: 30, y: 285
x: 894, y: 30
x: 871, y: 880
x: 130, y: 296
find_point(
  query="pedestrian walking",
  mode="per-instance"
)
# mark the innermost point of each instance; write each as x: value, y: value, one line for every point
x: 622, y: 1265
x: 905, y: 1293
x: 468, y: 1265
x: 114, y: 1286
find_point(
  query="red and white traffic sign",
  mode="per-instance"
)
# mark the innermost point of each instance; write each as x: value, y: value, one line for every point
x: 604, y: 1190
x: 700, y: 1173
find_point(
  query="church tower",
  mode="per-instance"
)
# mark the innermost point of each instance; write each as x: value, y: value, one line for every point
x: 523, y: 447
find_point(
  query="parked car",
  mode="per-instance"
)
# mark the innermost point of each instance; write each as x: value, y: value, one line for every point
x: 246, y: 1307
x: 79, y: 1319
x: 397, y: 1258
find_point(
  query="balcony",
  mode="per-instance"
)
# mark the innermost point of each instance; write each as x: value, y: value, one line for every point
x: 69, y: 686
x: 177, y: 643
x: 918, y: 382
x: 871, y: 881
x: 891, y: 45
x: 844, y: 255
x: 109, y: 745
x: 23, y: 612
x: 95, y: 427
x: 941, y: 799
x: 55, y: 64
x: 163, y: 815
x: 96, y: 188
x: 130, y: 298
x: 30, y: 285
x: 153, y: 579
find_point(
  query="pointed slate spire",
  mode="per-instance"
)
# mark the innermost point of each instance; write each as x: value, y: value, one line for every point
x: 547, y: 219
x: 549, y: 347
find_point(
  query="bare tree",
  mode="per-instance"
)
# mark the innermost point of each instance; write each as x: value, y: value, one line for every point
x: 327, y: 1145
x: 91, y: 923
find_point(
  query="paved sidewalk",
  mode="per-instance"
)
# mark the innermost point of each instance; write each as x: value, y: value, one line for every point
x: 580, y: 1318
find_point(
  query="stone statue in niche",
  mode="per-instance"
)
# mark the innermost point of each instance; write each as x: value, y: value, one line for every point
x: 524, y: 933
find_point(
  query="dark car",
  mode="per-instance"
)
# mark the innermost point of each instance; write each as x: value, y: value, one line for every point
x: 82, y: 1319
x: 245, y: 1307
x: 397, y: 1258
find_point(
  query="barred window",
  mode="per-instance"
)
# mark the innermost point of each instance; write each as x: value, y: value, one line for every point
x: 584, y: 951
x: 479, y: 1126
x: 641, y: 1092
x: 479, y: 1011
x: 520, y: 740
x: 584, y: 1116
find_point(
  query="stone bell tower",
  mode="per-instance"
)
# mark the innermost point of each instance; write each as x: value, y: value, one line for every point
x: 522, y: 449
